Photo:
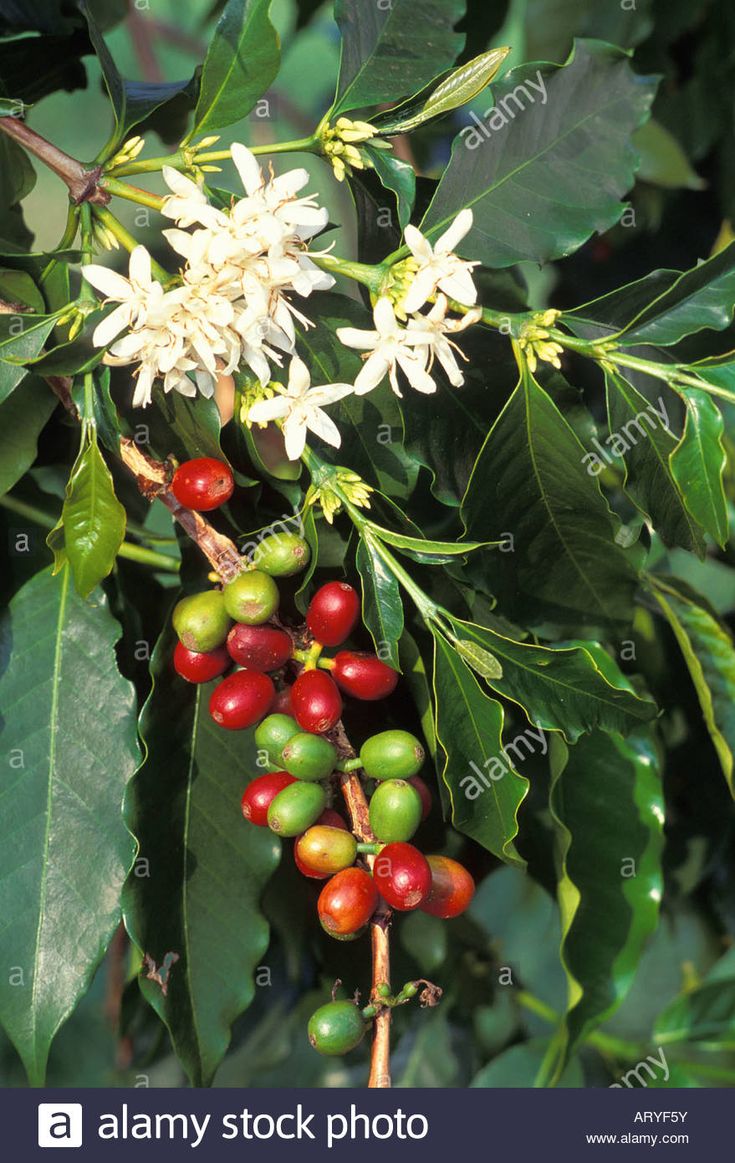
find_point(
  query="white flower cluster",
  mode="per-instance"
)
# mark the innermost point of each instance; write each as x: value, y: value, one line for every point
x: 232, y: 305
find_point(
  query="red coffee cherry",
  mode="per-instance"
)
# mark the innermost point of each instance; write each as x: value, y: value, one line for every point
x: 261, y: 648
x: 423, y: 790
x: 332, y: 819
x: 282, y: 704
x: 347, y: 902
x: 260, y: 794
x: 363, y: 675
x: 203, y: 483
x: 452, y: 888
x: 196, y: 667
x: 403, y: 876
x: 316, y: 702
x: 241, y: 699
x: 333, y: 612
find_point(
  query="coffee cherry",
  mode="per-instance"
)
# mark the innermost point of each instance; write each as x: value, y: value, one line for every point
x: 282, y: 555
x: 363, y: 675
x: 252, y: 598
x: 259, y: 647
x: 403, y: 876
x: 333, y: 612
x: 282, y: 704
x: 325, y: 850
x: 196, y: 667
x: 332, y: 819
x: 203, y: 484
x: 201, y: 621
x: 392, y: 755
x: 423, y: 790
x: 336, y: 1028
x: 310, y: 757
x: 241, y: 699
x: 452, y: 888
x: 273, y: 734
x: 347, y: 902
x: 395, y: 811
x: 296, y: 808
x: 260, y: 794
x: 317, y: 704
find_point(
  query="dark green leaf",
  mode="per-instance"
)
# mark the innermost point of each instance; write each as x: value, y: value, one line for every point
x: 70, y: 743
x: 698, y: 464
x: 241, y: 63
x: 17, y: 287
x: 22, y: 418
x: 21, y: 339
x: 531, y: 171
x: 705, y: 1014
x: 663, y: 161
x: 699, y: 298
x: 519, y: 1066
x: 382, y: 607
x: 387, y: 51
x: 395, y: 175
x: 92, y: 519
x: 201, y: 869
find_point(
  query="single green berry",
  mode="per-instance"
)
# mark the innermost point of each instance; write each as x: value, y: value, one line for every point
x: 252, y: 598
x: 392, y: 755
x: 395, y: 811
x: 272, y: 735
x: 296, y: 808
x: 336, y: 1028
x: 309, y: 756
x: 201, y: 621
x: 282, y: 555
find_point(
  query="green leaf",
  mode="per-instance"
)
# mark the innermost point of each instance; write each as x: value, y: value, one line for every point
x: 241, y: 63
x: 17, y: 287
x: 22, y: 417
x: 607, y: 806
x: 529, y: 481
x: 709, y: 653
x: 530, y: 171
x: 70, y: 743
x: 92, y: 519
x: 705, y: 1015
x: 519, y: 1065
x: 426, y: 549
x: 663, y: 161
x: 703, y: 297
x: 485, y: 791
x: 17, y: 179
x: 461, y: 86
x: 395, y: 175
x: 382, y: 607
x: 639, y: 431
x: 196, y: 896
x: 388, y: 52
x: 21, y: 340
x: 561, y: 690
x: 311, y: 536
x: 698, y: 464
x: 185, y: 427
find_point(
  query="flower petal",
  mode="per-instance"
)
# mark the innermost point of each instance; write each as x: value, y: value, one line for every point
x: 112, y: 285
x: 298, y: 378
x: 273, y: 409
x: 247, y: 166
x: 454, y: 233
x: 418, y: 245
x: 362, y: 340
x: 112, y: 325
x: 371, y: 374
x: 323, y: 426
x: 140, y: 267
x: 384, y: 316
x: 294, y: 433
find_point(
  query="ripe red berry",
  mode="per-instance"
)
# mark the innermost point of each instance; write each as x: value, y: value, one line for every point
x: 333, y: 612
x: 260, y: 794
x: 423, y: 790
x: 363, y: 675
x: 316, y: 702
x: 203, y: 483
x: 282, y: 704
x: 452, y: 888
x: 403, y: 876
x: 196, y: 667
x: 241, y: 699
x: 261, y: 648
x: 347, y: 902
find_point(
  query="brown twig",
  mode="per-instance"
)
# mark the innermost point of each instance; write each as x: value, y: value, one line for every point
x: 81, y: 182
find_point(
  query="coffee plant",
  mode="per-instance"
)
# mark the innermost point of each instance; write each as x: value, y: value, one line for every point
x: 365, y: 428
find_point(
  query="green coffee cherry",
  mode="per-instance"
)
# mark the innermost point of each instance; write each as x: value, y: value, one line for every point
x: 392, y: 755
x: 272, y: 735
x: 395, y: 811
x: 282, y: 555
x: 336, y: 1028
x: 296, y: 808
x: 309, y: 756
x: 251, y: 598
x: 201, y: 621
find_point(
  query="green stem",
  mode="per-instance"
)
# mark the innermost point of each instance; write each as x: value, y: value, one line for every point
x: 137, y: 553
x: 184, y: 159
x: 369, y: 276
x: 131, y: 193
x: 128, y: 240
x: 66, y: 240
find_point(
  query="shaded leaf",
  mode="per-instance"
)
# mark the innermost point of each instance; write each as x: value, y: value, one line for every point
x: 382, y: 607
x: 241, y: 63
x: 663, y: 161
x: 21, y: 339
x: 705, y: 1014
x: 395, y: 175
x: 698, y: 463
x: 22, y: 417
x: 703, y: 297
x: 519, y: 1065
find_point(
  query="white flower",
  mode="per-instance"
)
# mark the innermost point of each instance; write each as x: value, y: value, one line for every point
x: 392, y: 346
x: 137, y: 295
x: 187, y: 203
x: 438, y: 267
x: 300, y: 408
x: 433, y: 329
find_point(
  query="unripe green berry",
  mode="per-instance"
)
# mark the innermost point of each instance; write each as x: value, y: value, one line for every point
x: 336, y: 1028
x: 309, y: 756
x: 272, y: 735
x: 282, y: 555
x: 201, y: 621
x: 392, y: 755
x: 395, y: 811
x: 251, y: 598
x: 296, y: 808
